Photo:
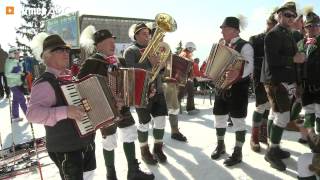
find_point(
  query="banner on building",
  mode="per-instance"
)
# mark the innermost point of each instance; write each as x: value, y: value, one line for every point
x: 66, y: 26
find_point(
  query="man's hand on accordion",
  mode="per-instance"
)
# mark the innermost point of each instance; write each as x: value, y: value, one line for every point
x: 75, y: 112
x: 231, y: 75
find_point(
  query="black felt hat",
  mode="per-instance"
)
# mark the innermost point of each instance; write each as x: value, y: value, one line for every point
x: 291, y: 6
x: 231, y: 22
x: 102, y: 35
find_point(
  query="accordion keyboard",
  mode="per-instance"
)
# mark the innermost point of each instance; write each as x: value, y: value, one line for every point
x: 73, y: 98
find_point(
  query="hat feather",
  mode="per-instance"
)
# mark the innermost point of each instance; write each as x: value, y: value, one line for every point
x: 242, y: 21
x: 36, y: 45
x: 307, y: 10
x: 87, y: 39
x: 131, y: 31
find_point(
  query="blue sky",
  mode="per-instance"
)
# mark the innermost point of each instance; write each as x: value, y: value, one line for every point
x: 198, y: 21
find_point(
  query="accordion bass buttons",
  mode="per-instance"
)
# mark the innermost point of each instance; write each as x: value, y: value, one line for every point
x: 85, y: 104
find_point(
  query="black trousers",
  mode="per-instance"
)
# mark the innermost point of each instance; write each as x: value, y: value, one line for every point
x: 4, y: 85
x: 261, y: 94
x: 234, y: 101
x: 72, y: 164
x: 157, y: 107
x: 310, y: 95
x: 126, y: 121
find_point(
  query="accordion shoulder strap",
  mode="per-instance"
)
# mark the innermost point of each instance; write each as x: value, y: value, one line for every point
x: 98, y: 60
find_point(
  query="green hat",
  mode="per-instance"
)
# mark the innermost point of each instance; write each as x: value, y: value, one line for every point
x: 231, y: 22
x: 291, y: 6
x: 312, y: 19
x: 53, y: 41
x: 102, y: 35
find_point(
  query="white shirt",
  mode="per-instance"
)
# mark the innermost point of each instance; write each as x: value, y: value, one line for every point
x: 247, y: 54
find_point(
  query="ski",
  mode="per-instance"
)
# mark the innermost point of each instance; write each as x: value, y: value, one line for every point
x: 16, y: 170
x: 21, y: 148
x: 22, y: 156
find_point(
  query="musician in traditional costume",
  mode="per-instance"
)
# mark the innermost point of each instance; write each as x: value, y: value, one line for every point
x: 101, y: 62
x: 187, y: 53
x: 157, y: 108
x: 279, y: 79
x: 260, y: 115
x: 73, y: 155
x: 308, y: 163
x: 311, y: 70
x: 298, y: 33
x: 170, y: 88
x: 233, y: 102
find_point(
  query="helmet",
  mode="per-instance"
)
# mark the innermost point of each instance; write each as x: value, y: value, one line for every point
x: 13, y: 51
x: 190, y: 46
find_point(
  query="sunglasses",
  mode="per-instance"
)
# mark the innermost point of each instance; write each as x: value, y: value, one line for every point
x: 312, y: 26
x: 289, y: 15
x: 61, y: 49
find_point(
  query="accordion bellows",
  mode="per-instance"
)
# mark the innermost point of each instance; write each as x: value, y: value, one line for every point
x: 131, y: 85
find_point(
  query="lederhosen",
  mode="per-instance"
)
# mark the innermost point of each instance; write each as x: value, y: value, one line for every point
x: 157, y: 104
x: 72, y: 154
x: 278, y: 67
x: 258, y: 47
x: 235, y: 100
x: 96, y: 64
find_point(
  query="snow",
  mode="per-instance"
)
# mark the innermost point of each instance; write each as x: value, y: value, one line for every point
x: 186, y: 161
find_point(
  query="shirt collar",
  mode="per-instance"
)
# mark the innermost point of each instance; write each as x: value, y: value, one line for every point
x: 54, y: 71
x: 234, y: 40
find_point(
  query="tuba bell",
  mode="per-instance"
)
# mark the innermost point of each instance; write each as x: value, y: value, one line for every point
x: 163, y: 51
x: 164, y: 23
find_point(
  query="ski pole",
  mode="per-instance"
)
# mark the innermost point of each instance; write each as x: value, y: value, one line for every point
x: 12, y: 132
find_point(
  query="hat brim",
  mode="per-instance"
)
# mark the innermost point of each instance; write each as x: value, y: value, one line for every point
x: 224, y: 26
x: 54, y: 47
x: 285, y: 8
x: 141, y: 29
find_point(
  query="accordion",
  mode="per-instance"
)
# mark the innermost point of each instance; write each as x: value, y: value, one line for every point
x: 178, y: 69
x: 94, y: 95
x: 221, y: 60
x: 131, y: 85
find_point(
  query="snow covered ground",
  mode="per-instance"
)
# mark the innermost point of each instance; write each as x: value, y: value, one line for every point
x: 186, y: 161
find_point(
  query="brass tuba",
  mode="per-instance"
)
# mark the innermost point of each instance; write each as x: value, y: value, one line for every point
x: 164, y: 23
x: 163, y: 51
